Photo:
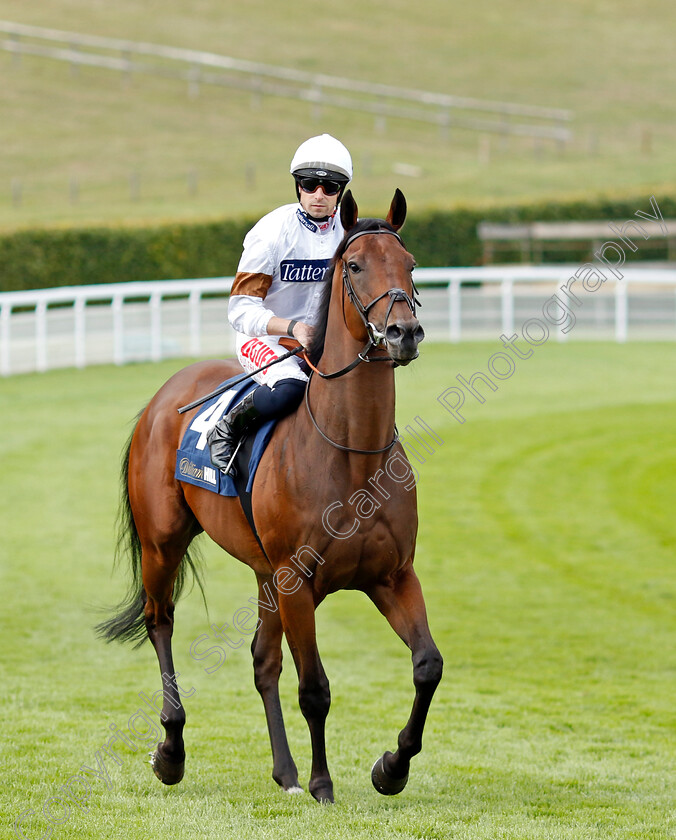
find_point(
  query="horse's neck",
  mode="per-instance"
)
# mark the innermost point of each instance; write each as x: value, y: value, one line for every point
x: 357, y: 409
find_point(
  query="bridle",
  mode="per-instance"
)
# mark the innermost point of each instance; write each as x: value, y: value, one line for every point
x: 375, y: 337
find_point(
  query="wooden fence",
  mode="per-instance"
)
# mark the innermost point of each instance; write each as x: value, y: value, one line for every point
x: 532, y: 239
x: 197, y: 67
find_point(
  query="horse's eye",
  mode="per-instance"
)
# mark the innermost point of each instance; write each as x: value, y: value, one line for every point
x: 354, y: 268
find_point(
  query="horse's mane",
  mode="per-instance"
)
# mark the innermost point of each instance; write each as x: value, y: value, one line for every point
x: 316, y: 349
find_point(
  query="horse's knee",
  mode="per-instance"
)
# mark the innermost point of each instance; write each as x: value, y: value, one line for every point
x: 428, y: 666
x: 315, y: 699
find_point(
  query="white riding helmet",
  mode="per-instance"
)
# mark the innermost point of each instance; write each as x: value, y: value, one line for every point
x: 323, y: 157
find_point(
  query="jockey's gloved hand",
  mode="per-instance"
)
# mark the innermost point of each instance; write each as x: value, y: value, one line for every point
x: 303, y: 333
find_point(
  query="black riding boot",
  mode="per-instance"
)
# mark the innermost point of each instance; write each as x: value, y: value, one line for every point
x: 225, y: 435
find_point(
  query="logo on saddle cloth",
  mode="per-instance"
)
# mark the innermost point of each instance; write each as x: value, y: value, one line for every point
x: 205, y: 474
x: 303, y: 271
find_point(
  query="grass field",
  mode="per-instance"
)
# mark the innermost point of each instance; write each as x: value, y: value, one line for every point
x: 611, y: 63
x: 546, y: 552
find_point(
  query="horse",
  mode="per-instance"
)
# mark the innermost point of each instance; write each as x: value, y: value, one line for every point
x: 340, y: 446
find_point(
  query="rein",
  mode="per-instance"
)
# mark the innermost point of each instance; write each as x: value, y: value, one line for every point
x: 340, y: 445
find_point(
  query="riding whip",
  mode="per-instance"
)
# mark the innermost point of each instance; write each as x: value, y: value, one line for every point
x: 236, y: 380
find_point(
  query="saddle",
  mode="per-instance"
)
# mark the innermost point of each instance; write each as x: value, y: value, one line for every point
x: 193, y: 464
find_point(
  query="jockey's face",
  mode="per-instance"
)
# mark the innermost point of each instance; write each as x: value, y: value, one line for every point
x: 317, y: 204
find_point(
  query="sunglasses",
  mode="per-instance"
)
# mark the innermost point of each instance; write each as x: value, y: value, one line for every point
x: 309, y: 185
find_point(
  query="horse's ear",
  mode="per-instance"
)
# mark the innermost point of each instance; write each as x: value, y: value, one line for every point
x: 397, y: 215
x: 349, y: 212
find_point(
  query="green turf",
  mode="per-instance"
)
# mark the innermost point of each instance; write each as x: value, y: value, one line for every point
x: 546, y: 551
x: 608, y: 62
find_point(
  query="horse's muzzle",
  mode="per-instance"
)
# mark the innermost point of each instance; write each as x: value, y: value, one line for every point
x: 402, y: 339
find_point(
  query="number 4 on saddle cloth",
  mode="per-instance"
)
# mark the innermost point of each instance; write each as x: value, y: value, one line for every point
x: 193, y: 464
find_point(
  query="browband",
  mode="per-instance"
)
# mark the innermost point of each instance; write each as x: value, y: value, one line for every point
x: 359, y: 233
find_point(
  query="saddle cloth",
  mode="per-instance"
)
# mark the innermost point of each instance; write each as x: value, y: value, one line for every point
x: 193, y: 464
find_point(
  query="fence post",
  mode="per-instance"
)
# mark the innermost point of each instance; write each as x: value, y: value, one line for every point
x: 74, y: 65
x: 134, y: 185
x: 561, y: 336
x: 507, y: 302
x: 256, y: 93
x: 193, y: 182
x: 17, y: 192
x: 484, y: 150
x: 126, y: 55
x: 445, y: 125
x: 5, y: 315
x: 315, y: 96
x: 118, y: 330
x: 194, y: 76
x: 194, y: 304
x: 41, y: 335
x: 621, y: 312
x: 156, y: 326
x: 380, y: 121
x: 79, y: 337
x: 15, y: 49
x: 454, y: 315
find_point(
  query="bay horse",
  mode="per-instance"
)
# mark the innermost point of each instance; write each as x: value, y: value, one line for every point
x: 338, y: 452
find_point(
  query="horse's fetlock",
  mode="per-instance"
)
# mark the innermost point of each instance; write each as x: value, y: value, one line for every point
x: 409, y: 745
x: 314, y: 701
x: 173, y: 720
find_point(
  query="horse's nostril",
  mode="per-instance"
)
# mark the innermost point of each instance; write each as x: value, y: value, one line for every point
x: 397, y: 335
x: 394, y: 334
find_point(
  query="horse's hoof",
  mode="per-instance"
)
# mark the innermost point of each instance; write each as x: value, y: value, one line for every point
x: 288, y: 781
x: 323, y: 794
x: 383, y: 782
x: 168, y: 772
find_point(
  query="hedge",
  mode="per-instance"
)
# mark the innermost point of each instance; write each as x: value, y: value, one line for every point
x: 447, y: 238
x: 31, y: 259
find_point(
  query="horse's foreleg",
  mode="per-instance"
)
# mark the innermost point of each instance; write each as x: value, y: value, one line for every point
x: 266, y: 649
x: 159, y: 572
x: 401, y: 602
x: 298, y: 620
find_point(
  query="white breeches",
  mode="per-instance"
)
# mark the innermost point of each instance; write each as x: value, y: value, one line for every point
x: 254, y: 352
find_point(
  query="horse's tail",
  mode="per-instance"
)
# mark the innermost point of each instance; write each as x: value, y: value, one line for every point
x: 127, y: 623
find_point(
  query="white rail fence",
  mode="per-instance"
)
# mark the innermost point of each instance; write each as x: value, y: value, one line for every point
x: 198, y: 67
x: 118, y: 323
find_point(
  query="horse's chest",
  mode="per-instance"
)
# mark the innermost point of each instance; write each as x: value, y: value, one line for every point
x: 352, y: 543
x: 362, y: 525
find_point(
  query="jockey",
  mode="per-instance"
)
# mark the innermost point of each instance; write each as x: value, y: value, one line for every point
x: 277, y: 289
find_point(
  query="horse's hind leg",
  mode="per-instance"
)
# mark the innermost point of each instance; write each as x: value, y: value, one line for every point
x: 401, y: 602
x: 160, y: 567
x: 266, y: 649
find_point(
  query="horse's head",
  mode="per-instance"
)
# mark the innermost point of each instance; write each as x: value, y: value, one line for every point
x: 377, y: 275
